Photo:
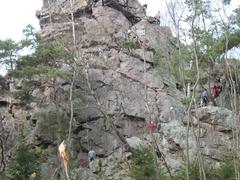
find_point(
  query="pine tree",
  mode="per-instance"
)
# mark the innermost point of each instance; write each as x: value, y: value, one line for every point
x: 24, y: 161
x: 8, y: 53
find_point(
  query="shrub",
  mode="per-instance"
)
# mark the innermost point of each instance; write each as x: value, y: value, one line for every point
x: 185, y: 101
x: 162, y: 65
x: 143, y: 166
x: 226, y: 169
x: 194, y: 172
x: 24, y: 162
x: 24, y: 94
x: 127, y: 44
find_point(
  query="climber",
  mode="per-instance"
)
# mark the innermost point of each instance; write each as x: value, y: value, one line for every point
x: 216, y: 89
x: 151, y: 126
x: 91, y: 155
x: 158, y: 18
x: 205, y: 97
x: 145, y: 8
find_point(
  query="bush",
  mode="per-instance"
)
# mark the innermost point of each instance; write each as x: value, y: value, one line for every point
x: 185, y: 101
x: 24, y: 94
x: 162, y: 65
x: 226, y: 169
x: 194, y: 172
x: 127, y: 44
x: 143, y: 166
x: 24, y: 162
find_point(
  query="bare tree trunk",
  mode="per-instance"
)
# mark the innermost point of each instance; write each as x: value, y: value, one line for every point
x: 50, y: 12
x: 71, y: 105
x: 193, y: 96
x: 233, y: 98
x: 233, y: 95
x: 199, y: 154
x: 2, y: 155
x: 74, y: 72
x: 173, y: 13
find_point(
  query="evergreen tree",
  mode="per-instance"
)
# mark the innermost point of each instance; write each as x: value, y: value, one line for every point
x: 9, y: 49
x: 8, y: 53
x: 143, y: 166
x: 24, y: 161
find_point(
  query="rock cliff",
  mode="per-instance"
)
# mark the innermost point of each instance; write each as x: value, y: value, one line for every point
x: 129, y: 87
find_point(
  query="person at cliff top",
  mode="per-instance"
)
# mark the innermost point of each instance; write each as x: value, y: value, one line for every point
x: 205, y: 97
x: 145, y: 7
x: 158, y: 18
x: 92, y: 155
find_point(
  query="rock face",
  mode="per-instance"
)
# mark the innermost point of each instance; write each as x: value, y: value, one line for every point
x: 128, y: 86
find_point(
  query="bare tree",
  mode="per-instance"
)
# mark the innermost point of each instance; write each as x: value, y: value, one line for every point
x: 176, y: 10
x: 193, y: 19
x: 234, y: 97
x: 2, y: 152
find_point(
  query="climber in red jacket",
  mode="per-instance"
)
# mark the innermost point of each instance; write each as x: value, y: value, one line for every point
x: 214, y: 91
x: 151, y: 126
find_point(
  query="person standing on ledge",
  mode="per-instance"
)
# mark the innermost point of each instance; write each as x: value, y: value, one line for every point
x: 158, y: 18
x: 145, y: 8
x: 205, y: 99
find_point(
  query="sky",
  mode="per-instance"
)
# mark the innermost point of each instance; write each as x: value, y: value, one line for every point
x: 153, y: 6
x: 15, y: 15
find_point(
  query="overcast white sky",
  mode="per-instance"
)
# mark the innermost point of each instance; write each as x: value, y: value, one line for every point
x: 16, y: 14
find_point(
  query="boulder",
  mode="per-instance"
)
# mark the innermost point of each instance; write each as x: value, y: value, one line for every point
x: 148, y: 56
x: 155, y: 37
x: 83, y: 174
x: 133, y: 10
x: 221, y: 118
x: 113, y: 21
x: 51, y: 125
x: 136, y: 142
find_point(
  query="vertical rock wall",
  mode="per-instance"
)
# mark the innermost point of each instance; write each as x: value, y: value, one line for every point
x: 130, y: 89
